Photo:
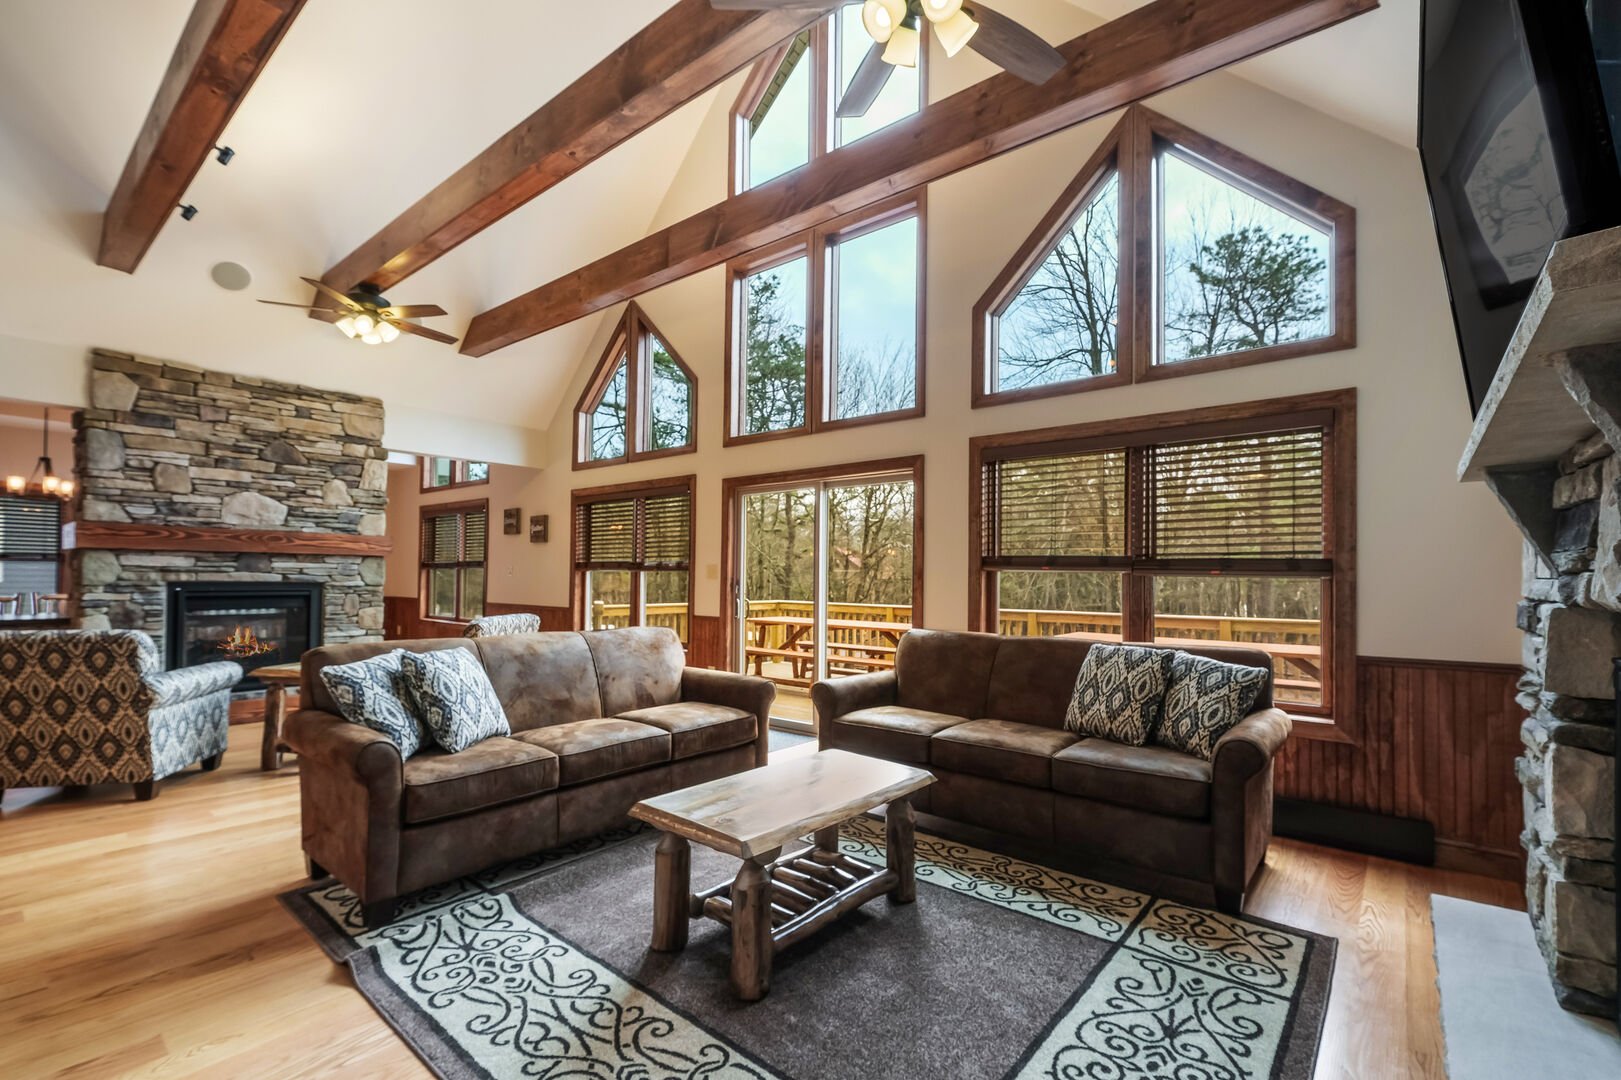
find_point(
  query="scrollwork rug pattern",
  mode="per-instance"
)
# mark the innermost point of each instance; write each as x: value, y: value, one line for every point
x: 1003, y: 968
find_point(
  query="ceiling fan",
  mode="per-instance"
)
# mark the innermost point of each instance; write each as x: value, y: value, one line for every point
x: 894, y: 25
x: 365, y: 314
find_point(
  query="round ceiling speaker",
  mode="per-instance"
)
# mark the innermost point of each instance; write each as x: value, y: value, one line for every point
x: 232, y: 276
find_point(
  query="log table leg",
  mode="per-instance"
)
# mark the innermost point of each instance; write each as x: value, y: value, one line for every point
x: 900, y: 823
x: 827, y: 840
x: 275, y: 716
x: 672, y: 873
x: 751, y: 931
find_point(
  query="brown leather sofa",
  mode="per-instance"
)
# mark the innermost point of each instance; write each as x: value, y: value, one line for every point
x: 599, y: 721
x: 985, y: 715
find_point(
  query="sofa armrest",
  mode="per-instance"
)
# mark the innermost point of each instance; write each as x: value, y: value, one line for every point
x: 1249, y: 745
x: 189, y: 684
x: 355, y: 749
x: 833, y: 698
x: 747, y: 692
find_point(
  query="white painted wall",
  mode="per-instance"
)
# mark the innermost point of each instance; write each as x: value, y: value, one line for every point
x: 1438, y: 561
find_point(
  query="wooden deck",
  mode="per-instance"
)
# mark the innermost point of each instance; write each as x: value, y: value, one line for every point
x: 145, y: 940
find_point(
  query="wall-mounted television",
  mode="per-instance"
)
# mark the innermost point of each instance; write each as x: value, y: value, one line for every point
x: 1518, y: 132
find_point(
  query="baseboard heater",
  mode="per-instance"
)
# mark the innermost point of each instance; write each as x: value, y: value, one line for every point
x: 1405, y: 839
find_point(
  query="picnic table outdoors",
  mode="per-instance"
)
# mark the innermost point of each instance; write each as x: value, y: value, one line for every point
x: 796, y: 649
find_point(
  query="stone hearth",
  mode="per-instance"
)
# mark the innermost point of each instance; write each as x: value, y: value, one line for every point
x: 165, y: 444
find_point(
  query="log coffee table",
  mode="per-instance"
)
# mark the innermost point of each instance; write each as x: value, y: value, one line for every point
x: 775, y: 902
x: 277, y: 678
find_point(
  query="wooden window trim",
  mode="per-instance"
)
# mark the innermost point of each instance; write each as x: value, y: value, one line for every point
x: 822, y: 136
x: 446, y: 509
x: 814, y: 246
x: 630, y: 342
x: 672, y: 485
x: 731, y: 486
x: 1130, y: 147
x: 1335, y: 409
x: 458, y: 472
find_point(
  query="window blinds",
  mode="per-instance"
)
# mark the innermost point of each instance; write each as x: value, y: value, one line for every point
x: 1246, y: 499
x: 634, y: 532
x: 455, y: 539
x: 30, y: 528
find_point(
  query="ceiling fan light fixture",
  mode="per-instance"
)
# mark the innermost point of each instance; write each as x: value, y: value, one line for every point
x: 881, y: 17
x: 347, y: 325
x: 940, y: 10
x: 372, y: 337
x: 388, y: 331
x: 365, y: 324
x: 954, y: 31
x: 903, y: 46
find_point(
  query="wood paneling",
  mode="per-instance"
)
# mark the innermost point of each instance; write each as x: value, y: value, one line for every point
x: 224, y: 46
x: 1152, y: 48
x: 706, y: 644
x: 1436, y: 741
x: 403, y: 621
x: 114, y: 536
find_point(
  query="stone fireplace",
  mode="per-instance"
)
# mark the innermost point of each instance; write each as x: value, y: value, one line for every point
x: 197, y: 486
x: 1546, y: 442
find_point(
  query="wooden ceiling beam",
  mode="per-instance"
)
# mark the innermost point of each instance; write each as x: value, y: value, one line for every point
x: 222, y: 50
x: 678, y: 56
x: 1153, y: 48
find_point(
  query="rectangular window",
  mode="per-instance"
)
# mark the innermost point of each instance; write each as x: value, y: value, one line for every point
x: 827, y: 326
x: 30, y: 545
x: 1183, y: 530
x: 632, y: 552
x: 439, y: 473
x: 454, y: 546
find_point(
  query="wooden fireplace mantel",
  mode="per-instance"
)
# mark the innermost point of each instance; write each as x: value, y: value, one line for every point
x: 119, y: 536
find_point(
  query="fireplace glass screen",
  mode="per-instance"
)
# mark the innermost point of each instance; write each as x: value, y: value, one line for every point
x: 256, y: 624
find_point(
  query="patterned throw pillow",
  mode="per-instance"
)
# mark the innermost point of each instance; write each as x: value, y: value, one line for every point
x: 1119, y: 692
x: 1206, y: 698
x: 372, y: 692
x: 454, y: 698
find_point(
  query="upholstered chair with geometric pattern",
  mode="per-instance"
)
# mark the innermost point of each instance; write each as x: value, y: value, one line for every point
x: 95, y: 707
x: 492, y: 625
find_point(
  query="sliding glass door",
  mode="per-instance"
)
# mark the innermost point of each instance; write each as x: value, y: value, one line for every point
x: 824, y: 581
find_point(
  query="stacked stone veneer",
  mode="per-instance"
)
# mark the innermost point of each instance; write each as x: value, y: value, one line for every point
x: 1571, y: 617
x: 165, y: 443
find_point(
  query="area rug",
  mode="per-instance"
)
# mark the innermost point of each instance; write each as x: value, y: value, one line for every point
x: 1002, y: 968
x: 1498, y: 1013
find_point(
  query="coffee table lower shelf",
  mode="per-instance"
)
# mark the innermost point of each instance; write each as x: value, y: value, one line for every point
x: 777, y: 901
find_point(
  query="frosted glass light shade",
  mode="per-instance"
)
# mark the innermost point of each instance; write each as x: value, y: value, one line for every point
x: 902, y: 48
x: 881, y: 17
x: 940, y: 10
x: 953, y: 32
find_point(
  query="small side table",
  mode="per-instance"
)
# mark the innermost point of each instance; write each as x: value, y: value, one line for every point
x: 277, y: 678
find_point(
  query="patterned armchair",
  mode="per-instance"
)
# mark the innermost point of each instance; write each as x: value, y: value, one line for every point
x: 94, y: 707
x: 491, y: 625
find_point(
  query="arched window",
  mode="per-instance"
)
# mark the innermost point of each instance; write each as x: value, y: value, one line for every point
x: 641, y: 402
x: 1169, y: 254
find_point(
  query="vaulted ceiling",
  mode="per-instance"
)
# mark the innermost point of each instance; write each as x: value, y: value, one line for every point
x: 358, y: 115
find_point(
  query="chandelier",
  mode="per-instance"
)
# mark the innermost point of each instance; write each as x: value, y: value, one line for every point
x: 43, y: 480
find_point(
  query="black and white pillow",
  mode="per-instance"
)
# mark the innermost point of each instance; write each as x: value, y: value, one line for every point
x: 1205, y: 699
x: 1119, y: 693
x: 372, y: 692
x: 454, y: 698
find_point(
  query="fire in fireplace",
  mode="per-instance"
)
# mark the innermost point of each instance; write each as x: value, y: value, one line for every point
x: 254, y: 623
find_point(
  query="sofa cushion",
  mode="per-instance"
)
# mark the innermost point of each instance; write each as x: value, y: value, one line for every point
x: 1206, y: 698
x: 637, y: 667
x: 697, y: 727
x: 498, y: 770
x: 542, y: 678
x: 592, y: 749
x: 1119, y: 693
x: 372, y: 693
x: 1152, y: 778
x: 944, y: 671
x: 892, y: 732
x: 313, y: 693
x: 453, y: 697
x: 1000, y: 749
x: 1033, y: 678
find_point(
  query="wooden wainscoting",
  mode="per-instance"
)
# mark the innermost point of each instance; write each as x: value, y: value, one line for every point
x: 1437, y: 742
x: 706, y: 644
x: 403, y: 621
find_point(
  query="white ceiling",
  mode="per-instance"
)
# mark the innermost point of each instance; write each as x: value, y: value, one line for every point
x: 361, y: 111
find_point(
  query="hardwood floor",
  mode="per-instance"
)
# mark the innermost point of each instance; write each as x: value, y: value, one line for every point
x: 145, y: 940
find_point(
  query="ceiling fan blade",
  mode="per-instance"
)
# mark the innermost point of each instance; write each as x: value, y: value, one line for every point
x: 866, y: 84
x: 284, y: 303
x: 771, y: 5
x: 423, y: 331
x: 413, y: 311
x: 327, y: 290
x: 1012, y: 47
